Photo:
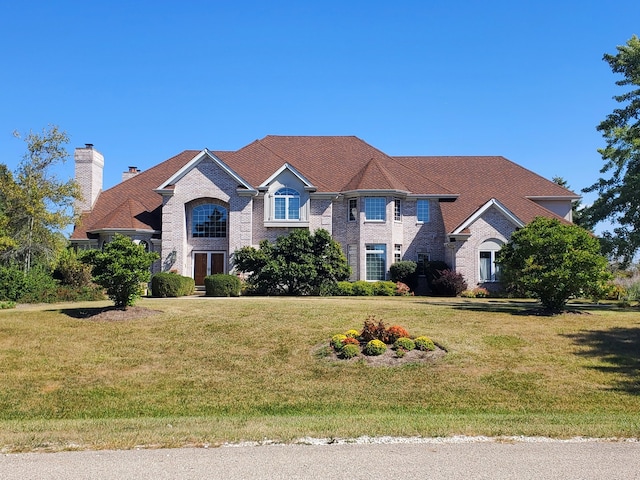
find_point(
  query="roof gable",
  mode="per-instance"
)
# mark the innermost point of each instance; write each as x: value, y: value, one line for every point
x: 478, y: 213
x: 205, y: 154
x: 286, y: 167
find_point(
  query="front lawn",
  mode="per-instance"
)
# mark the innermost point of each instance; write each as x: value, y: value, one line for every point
x: 213, y: 370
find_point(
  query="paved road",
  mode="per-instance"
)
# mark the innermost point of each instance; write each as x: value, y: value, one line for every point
x: 470, y: 460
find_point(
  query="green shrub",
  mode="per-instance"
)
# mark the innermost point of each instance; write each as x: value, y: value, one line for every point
x: 404, y: 343
x: 384, y: 288
x: 72, y: 271
x: 167, y: 284
x: 39, y: 287
x: 404, y: 271
x: 424, y: 343
x: 6, y: 305
x: 344, y: 289
x: 375, y: 347
x: 337, y: 341
x: 350, y: 351
x: 12, y: 283
x: 362, y: 288
x: 222, y: 285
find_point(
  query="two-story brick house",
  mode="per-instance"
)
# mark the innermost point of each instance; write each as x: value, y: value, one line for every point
x: 198, y: 207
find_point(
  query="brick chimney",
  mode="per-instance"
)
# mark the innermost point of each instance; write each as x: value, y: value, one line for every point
x: 89, y: 169
x: 132, y: 172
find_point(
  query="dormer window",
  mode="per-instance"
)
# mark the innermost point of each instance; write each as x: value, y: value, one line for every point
x: 286, y: 204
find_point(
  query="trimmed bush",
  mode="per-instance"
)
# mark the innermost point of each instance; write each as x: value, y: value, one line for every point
x: 362, y: 288
x: 404, y: 271
x: 350, y: 351
x: 344, y: 289
x: 424, y: 343
x: 384, y: 288
x: 169, y: 284
x: 375, y: 347
x: 222, y: 285
x: 404, y: 343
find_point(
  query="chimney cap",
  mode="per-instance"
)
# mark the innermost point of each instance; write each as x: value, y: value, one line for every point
x: 88, y: 145
x: 133, y: 169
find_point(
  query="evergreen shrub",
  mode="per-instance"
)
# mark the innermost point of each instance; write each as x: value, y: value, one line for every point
x: 168, y: 284
x: 222, y: 285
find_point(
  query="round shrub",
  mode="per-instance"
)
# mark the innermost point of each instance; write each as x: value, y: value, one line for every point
x: 168, y: 284
x: 350, y: 351
x: 404, y: 343
x: 395, y: 332
x: 404, y: 271
x: 424, y: 343
x: 337, y: 341
x: 352, y: 333
x: 375, y: 347
x: 222, y: 285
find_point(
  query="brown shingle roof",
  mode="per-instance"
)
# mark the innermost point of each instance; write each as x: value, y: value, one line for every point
x: 338, y: 164
x: 479, y: 179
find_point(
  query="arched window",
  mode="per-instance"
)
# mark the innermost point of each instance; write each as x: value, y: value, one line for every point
x: 209, y: 220
x: 286, y: 204
x: 489, y: 269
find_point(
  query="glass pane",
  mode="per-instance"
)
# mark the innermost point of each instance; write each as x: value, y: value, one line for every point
x: 374, y: 208
x: 294, y: 208
x: 423, y: 210
x: 280, y: 208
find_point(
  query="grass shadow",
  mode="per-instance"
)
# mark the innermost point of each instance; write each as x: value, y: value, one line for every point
x: 517, y: 307
x: 619, y: 351
x: 84, y: 313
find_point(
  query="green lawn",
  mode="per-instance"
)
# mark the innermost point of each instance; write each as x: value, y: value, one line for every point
x: 208, y: 371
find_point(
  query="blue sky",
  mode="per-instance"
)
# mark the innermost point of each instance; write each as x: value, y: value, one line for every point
x: 144, y: 80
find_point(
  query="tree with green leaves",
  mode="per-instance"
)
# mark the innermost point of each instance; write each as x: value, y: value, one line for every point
x: 553, y: 261
x: 619, y: 194
x: 6, y: 185
x: 120, y: 268
x: 300, y: 263
x: 37, y: 206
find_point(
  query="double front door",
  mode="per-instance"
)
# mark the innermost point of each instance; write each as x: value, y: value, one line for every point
x: 207, y: 263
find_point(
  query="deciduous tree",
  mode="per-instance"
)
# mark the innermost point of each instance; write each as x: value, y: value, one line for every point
x: 553, y: 261
x: 37, y: 205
